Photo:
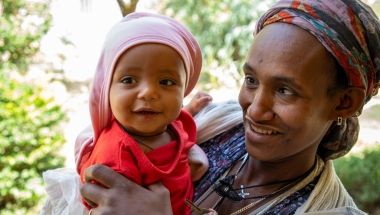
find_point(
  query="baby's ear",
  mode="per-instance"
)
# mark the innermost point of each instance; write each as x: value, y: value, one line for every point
x: 351, y: 100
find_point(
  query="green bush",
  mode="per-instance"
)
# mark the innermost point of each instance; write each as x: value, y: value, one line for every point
x: 29, y: 143
x: 30, y: 133
x: 360, y: 173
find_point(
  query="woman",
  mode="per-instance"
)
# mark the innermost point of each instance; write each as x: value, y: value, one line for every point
x: 311, y: 68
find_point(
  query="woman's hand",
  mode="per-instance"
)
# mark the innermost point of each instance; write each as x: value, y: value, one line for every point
x: 118, y: 195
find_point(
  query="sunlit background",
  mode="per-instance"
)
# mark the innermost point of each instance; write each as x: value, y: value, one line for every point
x: 68, y: 54
x: 73, y: 44
x: 84, y: 25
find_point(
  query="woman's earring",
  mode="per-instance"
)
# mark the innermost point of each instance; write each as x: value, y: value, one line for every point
x: 339, y: 121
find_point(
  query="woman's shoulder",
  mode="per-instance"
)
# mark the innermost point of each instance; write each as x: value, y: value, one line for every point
x: 348, y: 210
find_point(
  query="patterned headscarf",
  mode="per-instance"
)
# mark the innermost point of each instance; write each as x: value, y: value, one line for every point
x: 350, y: 31
x: 134, y: 29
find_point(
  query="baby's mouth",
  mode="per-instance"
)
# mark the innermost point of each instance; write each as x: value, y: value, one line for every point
x: 146, y: 111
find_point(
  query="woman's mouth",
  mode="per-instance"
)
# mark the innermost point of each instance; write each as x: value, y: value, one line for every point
x: 262, y: 130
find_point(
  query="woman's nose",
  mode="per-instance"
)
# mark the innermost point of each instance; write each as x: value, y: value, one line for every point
x: 261, y: 106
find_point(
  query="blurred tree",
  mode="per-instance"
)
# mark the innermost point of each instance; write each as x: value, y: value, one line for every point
x: 125, y: 8
x: 30, y: 133
x: 224, y: 30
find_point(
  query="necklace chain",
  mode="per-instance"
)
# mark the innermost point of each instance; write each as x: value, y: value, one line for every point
x: 143, y: 144
x: 224, y: 188
x: 250, y: 205
x: 146, y: 145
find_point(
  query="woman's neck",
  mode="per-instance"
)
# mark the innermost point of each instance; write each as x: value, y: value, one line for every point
x: 261, y: 172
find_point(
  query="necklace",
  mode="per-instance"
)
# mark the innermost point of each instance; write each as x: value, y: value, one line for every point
x: 224, y: 188
x: 146, y: 145
x: 150, y: 148
x: 250, y: 205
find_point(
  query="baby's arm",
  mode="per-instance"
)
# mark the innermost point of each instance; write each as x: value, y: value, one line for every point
x: 197, y: 158
x: 198, y: 102
x: 198, y: 162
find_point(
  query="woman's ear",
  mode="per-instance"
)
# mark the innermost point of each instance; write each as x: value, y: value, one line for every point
x: 350, y: 102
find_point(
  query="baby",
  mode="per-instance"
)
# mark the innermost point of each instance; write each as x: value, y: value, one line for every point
x: 148, y: 64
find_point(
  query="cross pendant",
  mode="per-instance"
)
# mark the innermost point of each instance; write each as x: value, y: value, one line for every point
x: 242, y: 193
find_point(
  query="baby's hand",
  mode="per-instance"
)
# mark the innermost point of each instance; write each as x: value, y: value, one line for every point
x: 198, y: 162
x: 198, y: 102
x: 199, y: 211
x: 211, y: 212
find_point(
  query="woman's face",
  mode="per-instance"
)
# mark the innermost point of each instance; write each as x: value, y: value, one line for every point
x: 286, y: 107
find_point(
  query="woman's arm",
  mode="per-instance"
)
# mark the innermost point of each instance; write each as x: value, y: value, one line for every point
x: 118, y: 195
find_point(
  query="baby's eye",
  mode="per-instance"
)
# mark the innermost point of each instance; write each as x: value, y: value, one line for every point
x: 128, y: 80
x: 167, y: 82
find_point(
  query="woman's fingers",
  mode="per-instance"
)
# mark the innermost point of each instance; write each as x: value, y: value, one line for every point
x: 162, y: 202
x: 119, y: 195
x: 92, y: 193
x: 159, y: 189
x: 104, y: 175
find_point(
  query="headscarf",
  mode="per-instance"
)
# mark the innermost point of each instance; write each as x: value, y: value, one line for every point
x: 350, y: 31
x: 134, y: 29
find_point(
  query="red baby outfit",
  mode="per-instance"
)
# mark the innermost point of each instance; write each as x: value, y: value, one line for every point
x: 169, y: 164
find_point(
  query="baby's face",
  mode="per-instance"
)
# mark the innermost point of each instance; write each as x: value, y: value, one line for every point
x: 147, y: 88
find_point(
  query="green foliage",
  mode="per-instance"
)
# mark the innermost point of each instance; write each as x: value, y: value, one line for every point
x: 224, y: 30
x: 23, y: 23
x: 30, y: 135
x: 29, y: 142
x: 360, y: 174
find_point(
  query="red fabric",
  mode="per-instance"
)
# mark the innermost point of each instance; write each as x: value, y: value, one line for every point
x: 168, y: 163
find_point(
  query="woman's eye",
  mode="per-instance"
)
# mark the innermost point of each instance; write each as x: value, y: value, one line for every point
x: 286, y: 91
x: 250, y: 81
x: 167, y: 82
x: 128, y: 80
